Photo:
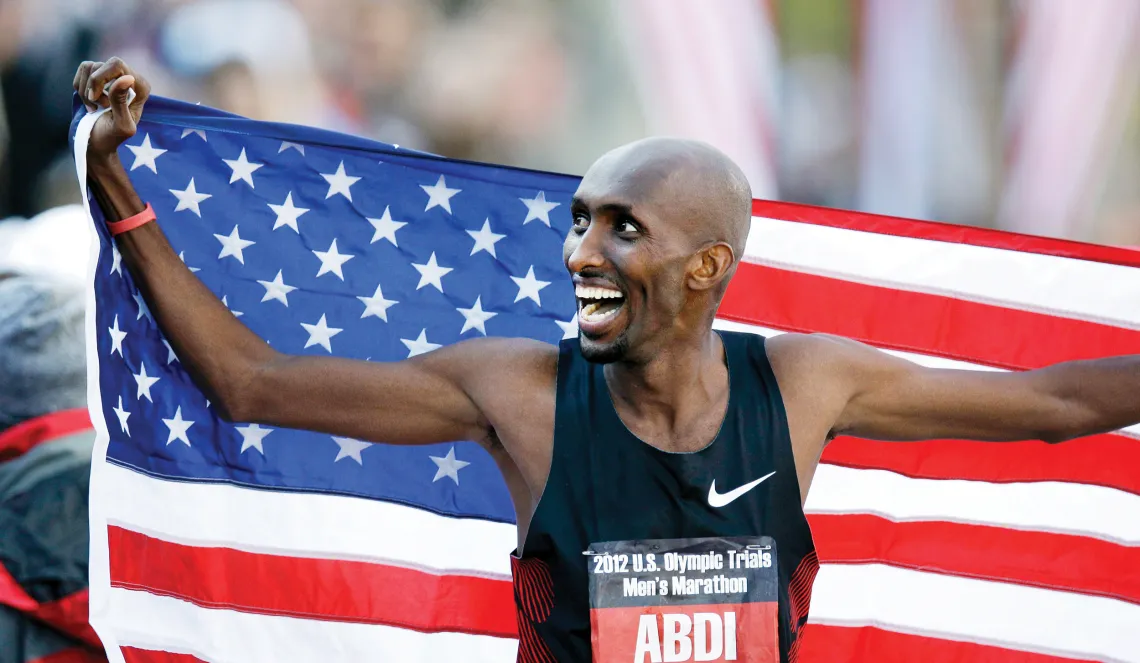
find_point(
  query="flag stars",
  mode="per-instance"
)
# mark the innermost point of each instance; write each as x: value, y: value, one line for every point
x: 448, y: 466
x: 529, y: 287
x: 116, y: 260
x: 199, y: 132
x: 242, y: 168
x: 321, y: 334
x: 141, y: 304
x: 170, y: 356
x: 439, y: 195
x: 431, y: 273
x: 233, y: 245
x: 485, y: 239
x: 178, y: 428
x: 252, y: 437
x: 376, y: 305
x: 385, y: 228
x: 287, y: 213
x: 475, y: 317
x: 117, y: 336
x: 182, y: 257
x: 276, y: 289
x: 569, y: 328
x: 332, y: 261
x: 340, y: 182
x: 286, y: 145
x: 145, y: 155
x: 122, y: 415
x: 420, y: 345
x: 538, y: 209
x: 144, y: 383
x: 190, y: 199
x: 237, y: 314
x: 350, y: 448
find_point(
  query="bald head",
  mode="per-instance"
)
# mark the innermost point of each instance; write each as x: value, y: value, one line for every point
x: 708, y: 191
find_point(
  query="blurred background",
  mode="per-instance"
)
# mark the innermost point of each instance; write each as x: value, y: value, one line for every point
x: 1018, y: 115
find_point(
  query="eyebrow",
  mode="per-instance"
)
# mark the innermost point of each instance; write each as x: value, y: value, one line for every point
x: 618, y: 208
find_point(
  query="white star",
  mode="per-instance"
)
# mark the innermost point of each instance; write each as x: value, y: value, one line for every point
x: 178, y: 427
x: 332, y: 260
x: 145, y: 154
x: 141, y: 303
x: 448, y: 466
x: 251, y: 437
x: 285, y: 145
x: 537, y: 209
x: 439, y: 195
x: 170, y: 356
x: 116, y: 260
x: 117, y: 337
x: 237, y: 314
x: 385, y: 228
x: 190, y: 198
x: 287, y: 214
x: 242, y: 169
x: 182, y: 257
x: 350, y: 448
x: 376, y: 305
x: 321, y: 334
x: 431, y: 273
x: 276, y: 289
x: 339, y: 182
x: 123, y: 415
x: 485, y: 239
x: 144, y: 382
x: 569, y: 329
x: 201, y: 134
x: 420, y: 345
x: 529, y: 286
x: 475, y: 317
x: 233, y: 244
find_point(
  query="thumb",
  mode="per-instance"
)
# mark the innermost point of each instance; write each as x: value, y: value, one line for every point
x: 120, y: 94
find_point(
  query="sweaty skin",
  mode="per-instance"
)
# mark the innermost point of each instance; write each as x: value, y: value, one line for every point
x: 659, y: 227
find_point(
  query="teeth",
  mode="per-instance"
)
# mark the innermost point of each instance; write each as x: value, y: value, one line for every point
x: 583, y: 292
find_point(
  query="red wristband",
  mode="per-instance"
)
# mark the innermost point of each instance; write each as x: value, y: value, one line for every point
x: 130, y: 223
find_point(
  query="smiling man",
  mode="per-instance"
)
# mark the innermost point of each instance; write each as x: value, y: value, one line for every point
x: 657, y: 468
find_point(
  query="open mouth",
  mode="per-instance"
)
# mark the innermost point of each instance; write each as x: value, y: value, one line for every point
x: 598, y: 305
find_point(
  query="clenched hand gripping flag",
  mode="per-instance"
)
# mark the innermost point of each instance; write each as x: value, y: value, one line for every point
x: 220, y: 542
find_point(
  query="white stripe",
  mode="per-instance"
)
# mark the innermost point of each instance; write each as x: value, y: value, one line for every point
x: 929, y: 361
x: 1027, y: 281
x: 964, y: 609
x: 155, y: 622
x: 1043, y: 506
x: 306, y: 525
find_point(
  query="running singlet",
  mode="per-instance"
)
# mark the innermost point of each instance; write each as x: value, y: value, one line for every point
x: 632, y: 555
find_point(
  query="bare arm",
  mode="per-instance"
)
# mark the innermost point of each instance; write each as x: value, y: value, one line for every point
x: 432, y: 398
x: 868, y: 393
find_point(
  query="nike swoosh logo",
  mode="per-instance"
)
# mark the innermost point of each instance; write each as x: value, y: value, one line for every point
x: 717, y: 500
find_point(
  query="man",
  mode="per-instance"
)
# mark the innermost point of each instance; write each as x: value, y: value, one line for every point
x: 651, y: 449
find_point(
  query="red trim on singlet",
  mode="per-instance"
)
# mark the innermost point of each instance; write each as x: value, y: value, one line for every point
x: 21, y: 438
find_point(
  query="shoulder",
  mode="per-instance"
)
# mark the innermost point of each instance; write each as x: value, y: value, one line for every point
x: 495, y: 360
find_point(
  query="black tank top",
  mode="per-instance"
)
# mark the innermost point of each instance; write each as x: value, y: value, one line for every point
x: 605, y: 484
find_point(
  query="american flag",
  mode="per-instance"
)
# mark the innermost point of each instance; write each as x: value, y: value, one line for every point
x: 220, y: 542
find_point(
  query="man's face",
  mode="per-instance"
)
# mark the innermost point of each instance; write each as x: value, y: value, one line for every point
x: 627, y: 258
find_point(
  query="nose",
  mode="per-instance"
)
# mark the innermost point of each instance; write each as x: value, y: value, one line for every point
x: 582, y: 251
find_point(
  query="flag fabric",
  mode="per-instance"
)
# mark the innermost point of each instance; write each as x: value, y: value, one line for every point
x: 221, y: 542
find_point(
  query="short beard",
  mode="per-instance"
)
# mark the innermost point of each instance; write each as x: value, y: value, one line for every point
x: 597, y: 353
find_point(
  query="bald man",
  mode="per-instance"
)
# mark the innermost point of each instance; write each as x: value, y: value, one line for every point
x: 658, y: 468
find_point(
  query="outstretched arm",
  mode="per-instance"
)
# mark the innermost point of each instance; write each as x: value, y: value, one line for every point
x: 432, y: 398
x: 872, y: 394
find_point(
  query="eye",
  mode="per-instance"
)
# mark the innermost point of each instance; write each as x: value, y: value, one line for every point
x: 581, y: 222
x: 628, y: 227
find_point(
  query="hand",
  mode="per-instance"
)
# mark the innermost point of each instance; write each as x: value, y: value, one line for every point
x: 108, y: 84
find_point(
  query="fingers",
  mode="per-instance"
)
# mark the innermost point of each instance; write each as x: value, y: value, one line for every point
x: 119, y: 95
x: 98, y: 80
x: 82, y: 75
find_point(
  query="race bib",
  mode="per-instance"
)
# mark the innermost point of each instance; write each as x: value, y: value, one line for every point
x: 668, y: 600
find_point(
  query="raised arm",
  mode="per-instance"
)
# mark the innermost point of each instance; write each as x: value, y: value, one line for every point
x: 436, y: 397
x: 858, y: 390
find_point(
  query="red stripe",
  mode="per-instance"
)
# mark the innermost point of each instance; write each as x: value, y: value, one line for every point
x: 21, y: 438
x: 944, y: 232
x: 327, y: 589
x: 133, y: 655
x: 1080, y: 461
x: 867, y: 644
x: 1037, y: 559
x: 915, y: 321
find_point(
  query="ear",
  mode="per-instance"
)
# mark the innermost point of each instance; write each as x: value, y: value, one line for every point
x: 710, y: 266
